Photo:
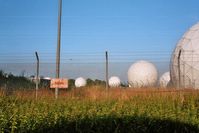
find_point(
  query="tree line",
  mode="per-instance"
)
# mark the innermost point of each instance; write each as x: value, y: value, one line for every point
x: 13, y: 82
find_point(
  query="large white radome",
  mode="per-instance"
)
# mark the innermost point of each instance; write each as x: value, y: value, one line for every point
x: 80, y: 82
x: 114, y: 81
x: 164, y: 80
x: 141, y: 74
x: 185, y: 60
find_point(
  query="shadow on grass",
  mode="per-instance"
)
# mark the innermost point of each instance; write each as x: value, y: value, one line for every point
x: 120, y: 125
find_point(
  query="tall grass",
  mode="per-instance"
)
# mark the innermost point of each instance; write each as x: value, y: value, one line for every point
x: 96, y: 110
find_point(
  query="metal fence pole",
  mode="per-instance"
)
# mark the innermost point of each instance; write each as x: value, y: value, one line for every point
x: 179, y: 73
x: 37, y: 76
x: 107, y: 86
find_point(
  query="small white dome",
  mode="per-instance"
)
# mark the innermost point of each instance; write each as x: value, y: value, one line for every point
x: 142, y: 73
x: 164, y: 80
x: 114, y: 81
x: 47, y: 78
x: 80, y: 82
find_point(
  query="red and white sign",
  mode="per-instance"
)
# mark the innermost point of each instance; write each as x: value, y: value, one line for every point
x: 59, y: 83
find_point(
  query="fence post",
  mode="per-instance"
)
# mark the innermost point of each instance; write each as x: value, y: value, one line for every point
x: 107, y: 86
x: 37, y: 76
x: 179, y: 73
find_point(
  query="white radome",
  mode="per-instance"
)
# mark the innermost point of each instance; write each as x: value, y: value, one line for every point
x: 80, y: 82
x: 185, y: 60
x: 164, y: 80
x: 114, y: 81
x: 47, y: 78
x: 142, y: 74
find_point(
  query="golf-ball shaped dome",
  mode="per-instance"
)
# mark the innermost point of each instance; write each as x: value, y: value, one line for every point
x: 114, y: 81
x: 80, y: 82
x: 164, y: 80
x: 185, y: 60
x: 142, y: 74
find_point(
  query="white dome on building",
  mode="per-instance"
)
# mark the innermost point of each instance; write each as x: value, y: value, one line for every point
x: 141, y: 74
x: 185, y: 60
x: 80, y: 82
x: 164, y: 80
x: 114, y: 81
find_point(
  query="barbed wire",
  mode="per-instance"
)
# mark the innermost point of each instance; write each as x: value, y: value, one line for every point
x: 94, y: 57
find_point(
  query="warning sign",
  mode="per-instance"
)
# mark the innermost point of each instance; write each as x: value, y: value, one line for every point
x: 59, y: 83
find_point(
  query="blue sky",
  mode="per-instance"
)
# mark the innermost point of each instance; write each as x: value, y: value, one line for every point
x: 129, y: 29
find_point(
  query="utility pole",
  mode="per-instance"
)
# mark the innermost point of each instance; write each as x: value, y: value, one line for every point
x: 106, y: 70
x: 58, y: 46
x: 37, y: 76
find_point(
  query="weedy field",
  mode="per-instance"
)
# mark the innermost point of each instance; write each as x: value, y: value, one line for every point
x: 93, y: 109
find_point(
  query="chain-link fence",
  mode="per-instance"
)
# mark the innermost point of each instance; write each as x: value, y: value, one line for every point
x: 89, y: 65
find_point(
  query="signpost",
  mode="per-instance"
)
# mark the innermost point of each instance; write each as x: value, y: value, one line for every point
x: 58, y: 47
x: 59, y: 83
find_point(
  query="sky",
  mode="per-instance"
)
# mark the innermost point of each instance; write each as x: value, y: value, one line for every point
x: 129, y: 30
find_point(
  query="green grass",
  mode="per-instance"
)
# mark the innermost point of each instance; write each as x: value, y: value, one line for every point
x: 96, y: 111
